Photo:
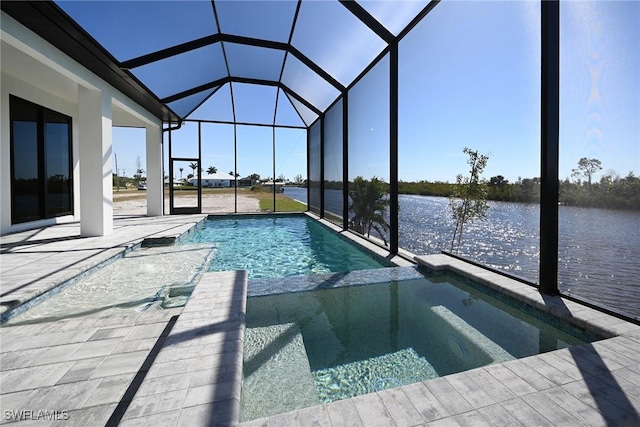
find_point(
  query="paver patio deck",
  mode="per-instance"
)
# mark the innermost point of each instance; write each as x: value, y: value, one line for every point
x: 183, y: 366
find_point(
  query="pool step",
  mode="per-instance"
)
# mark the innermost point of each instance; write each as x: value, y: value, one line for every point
x: 276, y: 372
x: 464, y: 346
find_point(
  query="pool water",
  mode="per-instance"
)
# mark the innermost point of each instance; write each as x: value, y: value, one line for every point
x: 142, y: 280
x: 306, y: 348
x: 279, y: 246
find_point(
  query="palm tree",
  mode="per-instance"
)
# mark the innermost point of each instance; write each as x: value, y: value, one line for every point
x: 369, y: 203
x: 181, y: 169
x: 138, y: 175
x: 212, y: 170
x: 194, y: 166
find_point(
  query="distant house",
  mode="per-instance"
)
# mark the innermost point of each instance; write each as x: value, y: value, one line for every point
x: 278, y: 186
x: 244, y: 182
x: 175, y: 182
x: 216, y: 180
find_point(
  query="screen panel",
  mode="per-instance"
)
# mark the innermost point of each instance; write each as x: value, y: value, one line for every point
x: 369, y: 167
x: 268, y: 20
x: 218, y: 164
x: 394, y: 15
x: 291, y: 169
x: 307, y: 115
x: 315, y: 179
x: 153, y: 25
x: 254, y: 62
x: 469, y: 76
x: 186, y: 105
x: 217, y: 107
x: 309, y: 85
x: 327, y: 33
x: 254, y: 103
x: 185, y: 71
x: 286, y: 114
x: 333, y: 167
x: 599, y: 203
x: 255, y: 161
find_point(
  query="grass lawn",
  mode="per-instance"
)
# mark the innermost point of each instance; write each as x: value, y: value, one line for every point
x: 283, y: 203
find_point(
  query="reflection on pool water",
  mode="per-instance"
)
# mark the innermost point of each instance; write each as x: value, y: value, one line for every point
x: 144, y: 279
x: 306, y: 348
x: 279, y: 246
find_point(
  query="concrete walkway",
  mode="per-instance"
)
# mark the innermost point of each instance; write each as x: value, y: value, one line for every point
x: 182, y: 366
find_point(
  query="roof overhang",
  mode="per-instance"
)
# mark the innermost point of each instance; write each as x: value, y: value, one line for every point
x: 49, y: 22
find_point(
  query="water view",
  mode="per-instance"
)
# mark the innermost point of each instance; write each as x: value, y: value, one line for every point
x: 599, y: 253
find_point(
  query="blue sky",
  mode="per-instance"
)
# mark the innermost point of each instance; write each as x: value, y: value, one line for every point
x: 469, y: 76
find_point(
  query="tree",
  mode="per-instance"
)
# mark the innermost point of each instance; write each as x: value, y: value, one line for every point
x: 211, y: 170
x: 369, y: 203
x: 139, y: 170
x: 498, y: 188
x: 254, y: 177
x: 468, y: 200
x: 586, y: 168
x: 498, y: 181
x: 298, y: 179
x: 194, y: 166
x: 117, y: 182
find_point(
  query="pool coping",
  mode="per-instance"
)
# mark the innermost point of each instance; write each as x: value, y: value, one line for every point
x: 495, y: 394
x: 581, y: 316
x: 398, y: 260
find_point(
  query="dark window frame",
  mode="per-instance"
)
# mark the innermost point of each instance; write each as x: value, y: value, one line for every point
x: 43, y: 116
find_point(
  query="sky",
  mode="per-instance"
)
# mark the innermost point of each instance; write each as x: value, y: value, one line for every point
x: 469, y: 76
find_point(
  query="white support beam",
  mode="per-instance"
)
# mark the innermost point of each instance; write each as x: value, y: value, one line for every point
x: 155, y: 180
x: 95, y: 140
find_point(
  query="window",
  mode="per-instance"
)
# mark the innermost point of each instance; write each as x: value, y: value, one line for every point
x: 40, y: 162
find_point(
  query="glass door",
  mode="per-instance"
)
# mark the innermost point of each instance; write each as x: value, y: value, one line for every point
x: 185, y: 189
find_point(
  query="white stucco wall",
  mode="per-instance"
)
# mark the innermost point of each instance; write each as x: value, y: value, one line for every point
x: 34, y: 70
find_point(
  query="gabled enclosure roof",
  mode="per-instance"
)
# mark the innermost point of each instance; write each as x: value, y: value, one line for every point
x: 294, y: 58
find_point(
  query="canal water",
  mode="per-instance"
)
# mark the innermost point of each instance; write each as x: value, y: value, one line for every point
x: 599, y: 249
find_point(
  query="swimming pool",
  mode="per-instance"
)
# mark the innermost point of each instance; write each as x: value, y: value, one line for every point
x: 279, y: 246
x: 149, y: 278
x: 306, y: 348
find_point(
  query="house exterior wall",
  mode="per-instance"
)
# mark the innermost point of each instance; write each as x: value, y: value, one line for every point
x: 13, y: 86
x: 34, y: 70
x: 211, y: 182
